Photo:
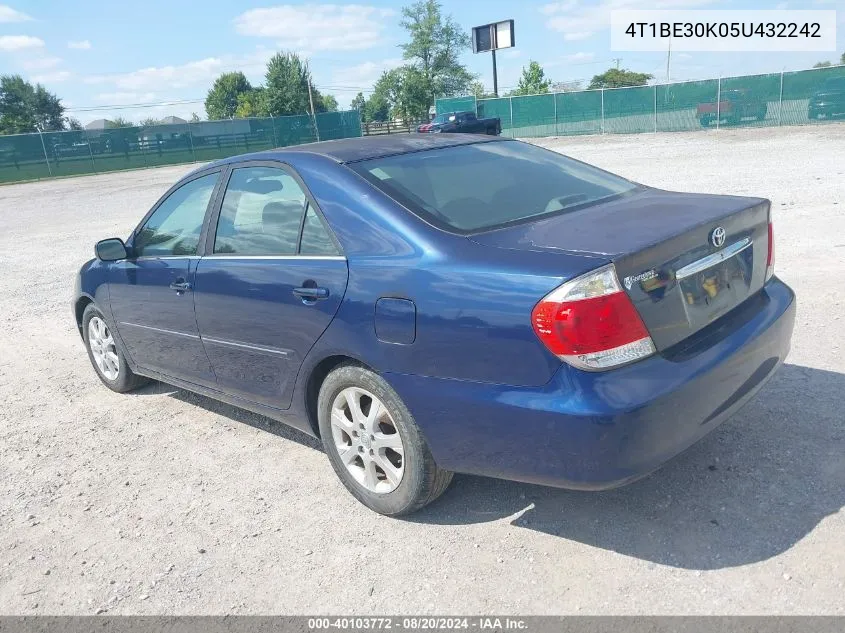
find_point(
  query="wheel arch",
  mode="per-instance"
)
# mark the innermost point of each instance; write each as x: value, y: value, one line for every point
x: 79, y: 309
x: 316, y: 376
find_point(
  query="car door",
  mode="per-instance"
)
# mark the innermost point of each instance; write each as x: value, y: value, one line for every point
x: 269, y: 285
x: 150, y: 292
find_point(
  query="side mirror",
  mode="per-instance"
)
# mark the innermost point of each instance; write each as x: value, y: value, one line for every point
x: 110, y: 250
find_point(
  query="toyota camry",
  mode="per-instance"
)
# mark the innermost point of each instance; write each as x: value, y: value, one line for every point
x: 432, y: 304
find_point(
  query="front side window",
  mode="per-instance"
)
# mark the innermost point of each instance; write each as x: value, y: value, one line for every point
x: 475, y: 187
x: 174, y: 227
x: 261, y: 213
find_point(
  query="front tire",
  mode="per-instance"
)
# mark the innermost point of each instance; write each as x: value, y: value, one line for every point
x: 374, y: 445
x: 105, y: 354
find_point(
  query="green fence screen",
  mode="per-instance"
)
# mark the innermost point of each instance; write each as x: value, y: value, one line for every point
x: 52, y: 154
x: 790, y: 98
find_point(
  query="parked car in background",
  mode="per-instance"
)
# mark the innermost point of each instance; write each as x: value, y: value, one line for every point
x: 463, y: 123
x: 430, y: 304
x: 829, y: 101
x: 734, y: 106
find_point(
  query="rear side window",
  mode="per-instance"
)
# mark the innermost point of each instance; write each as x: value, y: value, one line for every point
x: 261, y: 213
x: 475, y: 187
x: 315, y: 236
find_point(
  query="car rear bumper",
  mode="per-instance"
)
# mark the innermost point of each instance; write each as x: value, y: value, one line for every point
x: 601, y: 430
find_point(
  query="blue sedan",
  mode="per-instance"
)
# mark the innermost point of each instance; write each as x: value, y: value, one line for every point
x: 431, y: 304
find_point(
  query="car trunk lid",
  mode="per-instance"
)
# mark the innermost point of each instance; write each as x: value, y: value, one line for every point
x: 664, y: 248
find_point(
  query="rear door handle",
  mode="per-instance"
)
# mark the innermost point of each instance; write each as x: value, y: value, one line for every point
x: 311, y: 294
x: 180, y: 286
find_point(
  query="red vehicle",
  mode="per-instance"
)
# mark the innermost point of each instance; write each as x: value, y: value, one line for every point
x: 734, y: 106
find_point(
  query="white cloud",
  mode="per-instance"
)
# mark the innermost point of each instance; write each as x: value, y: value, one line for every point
x: 40, y: 63
x: 8, y: 14
x: 192, y: 73
x: 316, y: 27
x: 361, y: 77
x: 19, y: 42
x: 509, y: 53
x: 82, y: 45
x: 55, y: 77
x: 195, y: 73
x: 578, y: 20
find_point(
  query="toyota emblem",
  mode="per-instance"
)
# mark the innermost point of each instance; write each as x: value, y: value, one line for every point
x: 717, y: 237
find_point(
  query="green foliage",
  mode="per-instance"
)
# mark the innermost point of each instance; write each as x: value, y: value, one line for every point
x: 252, y: 104
x: 121, y: 122
x: 358, y: 102
x: 73, y: 124
x: 222, y: 99
x: 377, y: 107
x: 476, y: 88
x: 329, y: 103
x: 27, y: 108
x: 822, y: 65
x: 433, y: 56
x: 149, y: 121
x: 533, y: 81
x: 616, y: 78
x: 286, y: 87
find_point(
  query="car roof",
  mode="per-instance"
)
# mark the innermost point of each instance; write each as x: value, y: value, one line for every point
x: 350, y: 150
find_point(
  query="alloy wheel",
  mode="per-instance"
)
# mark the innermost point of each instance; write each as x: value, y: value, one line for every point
x: 103, y: 348
x: 367, y: 440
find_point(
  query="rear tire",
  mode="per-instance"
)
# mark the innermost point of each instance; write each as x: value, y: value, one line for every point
x: 374, y: 445
x: 105, y: 353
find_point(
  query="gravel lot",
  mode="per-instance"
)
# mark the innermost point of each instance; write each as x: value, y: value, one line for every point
x: 167, y: 502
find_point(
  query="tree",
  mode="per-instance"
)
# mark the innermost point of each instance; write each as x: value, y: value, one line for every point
x: 287, y: 81
x: 842, y: 59
x: 433, y: 52
x: 149, y: 121
x: 358, y: 102
x: 476, y: 88
x: 222, y: 99
x: 616, y: 78
x: 121, y: 122
x: 822, y: 65
x: 27, y: 108
x: 329, y: 103
x: 73, y: 124
x: 252, y: 104
x: 533, y: 80
x: 377, y: 107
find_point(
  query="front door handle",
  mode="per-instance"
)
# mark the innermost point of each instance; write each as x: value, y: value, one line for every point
x: 180, y: 285
x: 311, y: 294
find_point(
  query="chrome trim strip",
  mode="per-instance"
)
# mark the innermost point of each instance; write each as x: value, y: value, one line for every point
x: 269, y: 350
x: 158, y: 329
x: 148, y: 258
x: 325, y: 257
x: 714, y: 258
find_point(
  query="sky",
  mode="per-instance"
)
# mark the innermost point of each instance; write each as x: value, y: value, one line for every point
x: 104, y: 58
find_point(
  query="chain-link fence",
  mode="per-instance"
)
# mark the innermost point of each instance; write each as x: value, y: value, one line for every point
x: 787, y: 98
x: 51, y: 154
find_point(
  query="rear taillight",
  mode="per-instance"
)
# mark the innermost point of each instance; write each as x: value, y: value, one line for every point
x: 590, y: 322
x: 770, y: 258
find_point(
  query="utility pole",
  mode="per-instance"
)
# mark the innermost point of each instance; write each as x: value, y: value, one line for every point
x: 495, y: 75
x: 311, y: 101
x: 668, y: 59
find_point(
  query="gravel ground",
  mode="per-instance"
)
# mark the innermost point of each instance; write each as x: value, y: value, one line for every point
x: 167, y: 502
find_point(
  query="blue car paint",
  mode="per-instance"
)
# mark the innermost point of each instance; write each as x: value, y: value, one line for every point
x: 488, y: 396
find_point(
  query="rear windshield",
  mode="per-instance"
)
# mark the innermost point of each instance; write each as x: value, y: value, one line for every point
x: 469, y: 188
